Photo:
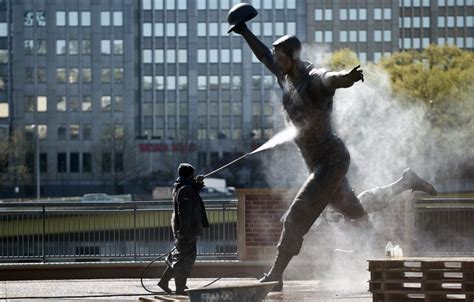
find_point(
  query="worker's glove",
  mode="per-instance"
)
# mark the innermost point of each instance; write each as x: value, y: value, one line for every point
x: 200, y: 179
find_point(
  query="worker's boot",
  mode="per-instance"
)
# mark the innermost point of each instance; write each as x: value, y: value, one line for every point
x: 165, y: 279
x: 276, y: 272
x: 416, y: 183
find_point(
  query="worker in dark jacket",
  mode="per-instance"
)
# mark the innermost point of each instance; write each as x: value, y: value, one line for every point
x: 188, y: 220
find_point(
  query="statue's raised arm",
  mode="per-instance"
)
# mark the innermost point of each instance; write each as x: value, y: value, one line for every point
x: 237, y: 17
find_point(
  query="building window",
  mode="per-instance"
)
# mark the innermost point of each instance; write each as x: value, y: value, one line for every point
x: 170, y: 29
x: 74, y: 103
x: 328, y: 36
x: 328, y: 14
x: 118, y: 47
x: 105, y: 18
x: 106, y: 103
x: 118, y: 74
x: 3, y: 29
x: 147, y: 82
x: 426, y: 22
x: 42, y: 103
x: 74, y: 132
x: 352, y: 36
x: 85, y: 18
x: 105, y: 47
x: 61, y: 132
x: 29, y: 104
x: 213, y: 55
x: 377, y: 14
x: 106, y: 162
x: 352, y: 14
x: 61, y: 104
x: 60, y: 18
x: 73, y: 19
x: 73, y: 47
x: 4, y: 110
x: 450, y: 21
x: 118, y: 19
x: 61, y: 75
x: 343, y: 14
x: 4, y: 56
x: 86, y: 162
x: 41, y: 47
x: 105, y: 75
x: 318, y: 14
x: 387, y: 35
x: 363, y: 36
x: 61, y: 47
x: 44, y: 163
x: 202, y: 55
x: 118, y: 104
x: 171, y: 56
x: 147, y: 56
x: 87, y: 132
x: 86, y: 75
x: 318, y: 36
x: 62, y: 162
x: 86, y: 47
x: 29, y: 47
x: 387, y: 13
x: 73, y: 75
x: 74, y: 162
x: 377, y: 36
x: 147, y: 29
x: 343, y: 36
x: 362, y: 14
x: 118, y: 162
x: 86, y: 104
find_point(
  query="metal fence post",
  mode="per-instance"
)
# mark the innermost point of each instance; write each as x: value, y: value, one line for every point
x: 135, y: 232
x: 43, y: 235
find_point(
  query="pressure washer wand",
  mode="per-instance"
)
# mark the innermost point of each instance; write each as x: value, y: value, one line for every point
x: 226, y: 165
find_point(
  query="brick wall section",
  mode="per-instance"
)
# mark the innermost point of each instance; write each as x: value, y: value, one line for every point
x: 259, y: 226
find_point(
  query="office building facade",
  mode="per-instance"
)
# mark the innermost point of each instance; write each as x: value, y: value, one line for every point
x: 373, y: 29
x: 120, y: 89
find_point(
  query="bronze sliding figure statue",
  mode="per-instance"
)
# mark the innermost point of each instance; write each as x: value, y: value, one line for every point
x: 308, y: 100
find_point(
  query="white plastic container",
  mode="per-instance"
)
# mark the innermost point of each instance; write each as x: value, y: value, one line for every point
x: 389, y: 250
x: 397, y: 252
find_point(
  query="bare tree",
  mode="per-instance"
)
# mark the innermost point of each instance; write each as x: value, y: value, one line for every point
x: 13, y: 168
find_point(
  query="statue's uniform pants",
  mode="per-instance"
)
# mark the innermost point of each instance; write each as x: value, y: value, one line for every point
x: 327, y: 184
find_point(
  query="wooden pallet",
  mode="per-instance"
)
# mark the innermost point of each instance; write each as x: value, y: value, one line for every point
x: 422, y: 279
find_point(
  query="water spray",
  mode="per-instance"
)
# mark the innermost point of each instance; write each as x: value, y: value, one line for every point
x: 279, y: 138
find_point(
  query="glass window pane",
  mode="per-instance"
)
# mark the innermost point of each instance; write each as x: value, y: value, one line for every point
x: 86, y: 18
x: 86, y: 104
x: 118, y: 19
x: 86, y: 47
x: 60, y: 18
x: 73, y: 47
x: 61, y: 103
x: 106, y: 103
x: 105, y: 47
x: 73, y: 18
x: 147, y: 29
x: 105, y: 18
x: 118, y: 47
x: 29, y: 46
x: 42, y: 103
x: 41, y: 47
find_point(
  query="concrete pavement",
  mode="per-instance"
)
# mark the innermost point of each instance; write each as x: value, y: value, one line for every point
x: 131, y: 290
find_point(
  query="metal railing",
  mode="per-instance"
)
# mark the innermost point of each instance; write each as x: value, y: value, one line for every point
x: 444, y: 226
x: 119, y: 231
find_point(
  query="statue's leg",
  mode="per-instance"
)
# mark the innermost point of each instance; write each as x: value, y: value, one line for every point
x: 308, y: 204
x: 376, y: 199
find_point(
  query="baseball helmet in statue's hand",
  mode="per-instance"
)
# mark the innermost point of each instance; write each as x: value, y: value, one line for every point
x: 240, y: 13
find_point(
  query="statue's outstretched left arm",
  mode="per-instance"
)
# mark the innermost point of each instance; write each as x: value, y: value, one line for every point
x: 342, y: 79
